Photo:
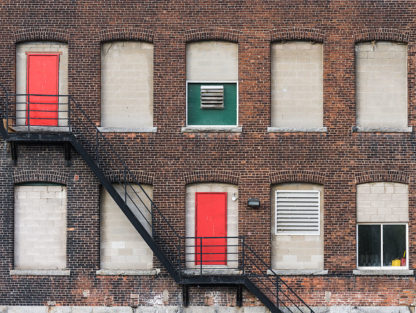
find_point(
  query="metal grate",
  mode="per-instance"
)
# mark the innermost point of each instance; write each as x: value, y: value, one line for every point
x: 297, y: 212
x: 212, y: 97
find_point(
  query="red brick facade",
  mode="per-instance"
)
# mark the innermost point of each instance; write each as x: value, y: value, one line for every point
x: 253, y: 159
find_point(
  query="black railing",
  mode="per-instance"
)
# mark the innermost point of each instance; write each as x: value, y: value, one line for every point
x: 195, y: 256
x: 209, y: 255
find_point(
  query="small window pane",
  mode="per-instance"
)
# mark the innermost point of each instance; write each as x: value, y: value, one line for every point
x: 369, y: 245
x: 394, y: 243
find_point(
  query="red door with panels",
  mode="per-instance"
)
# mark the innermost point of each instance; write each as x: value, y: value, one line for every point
x: 211, y: 221
x: 42, y: 79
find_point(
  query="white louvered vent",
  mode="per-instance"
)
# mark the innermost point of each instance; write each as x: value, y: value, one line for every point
x: 297, y: 212
x: 212, y: 97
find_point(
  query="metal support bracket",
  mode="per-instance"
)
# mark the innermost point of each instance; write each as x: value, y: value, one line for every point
x: 240, y: 296
x: 13, y: 151
x: 185, y: 295
x: 67, y: 153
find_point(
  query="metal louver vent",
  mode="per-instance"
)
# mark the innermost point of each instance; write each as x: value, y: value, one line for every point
x: 212, y: 97
x: 297, y: 212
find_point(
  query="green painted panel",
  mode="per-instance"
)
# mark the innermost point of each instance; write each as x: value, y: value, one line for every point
x: 198, y: 116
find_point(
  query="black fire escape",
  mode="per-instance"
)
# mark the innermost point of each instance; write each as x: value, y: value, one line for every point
x: 189, y: 260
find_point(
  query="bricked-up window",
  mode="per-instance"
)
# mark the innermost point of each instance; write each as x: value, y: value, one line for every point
x: 382, y: 217
x: 127, y: 85
x: 297, y: 85
x: 381, y: 85
x: 122, y: 247
x: 40, y: 226
x: 296, y: 228
x: 382, y: 245
x: 212, y: 66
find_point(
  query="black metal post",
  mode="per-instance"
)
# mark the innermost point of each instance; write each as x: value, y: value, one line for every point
x: 200, y: 252
x: 185, y: 295
x: 243, y: 256
x: 96, y: 147
x: 240, y: 296
x: 69, y: 113
x: 28, y: 113
x: 125, y: 185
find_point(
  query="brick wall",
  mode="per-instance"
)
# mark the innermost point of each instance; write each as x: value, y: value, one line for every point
x: 253, y: 159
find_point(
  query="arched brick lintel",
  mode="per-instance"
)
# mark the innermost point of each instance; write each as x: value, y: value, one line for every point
x: 297, y: 33
x: 41, y: 34
x: 386, y: 34
x: 281, y: 177
x: 382, y: 176
x: 39, y: 175
x: 211, y: 177
x: 132, y: 177
x: 202, y: 34
x: 128, y: 33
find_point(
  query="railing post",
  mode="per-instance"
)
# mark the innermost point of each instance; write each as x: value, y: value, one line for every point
x: 243, y: 256
x: 28, y: 113
x: 200, y: 253
x: 69, y: 113
x: 96, y: 147
x: 125, y: 185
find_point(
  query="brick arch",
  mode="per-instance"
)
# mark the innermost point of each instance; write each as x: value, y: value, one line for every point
x: 297, y: 33
x: 39, y: 175
x: 133, y: 177
x: 126, y: 33
x: 280, y: 177
x: 382, y: 176
x: 41, y: 34
x: 201, y: 34
x: 211, y: 177
x: 388, y: 34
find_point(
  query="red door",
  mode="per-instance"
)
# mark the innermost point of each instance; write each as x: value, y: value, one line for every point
x: 211, y: 221
x: 42, y: 79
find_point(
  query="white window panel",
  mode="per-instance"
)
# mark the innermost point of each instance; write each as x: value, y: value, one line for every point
x: 297, y: 212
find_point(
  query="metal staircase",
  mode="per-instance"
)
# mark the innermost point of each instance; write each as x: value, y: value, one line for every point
x: 189, y: 260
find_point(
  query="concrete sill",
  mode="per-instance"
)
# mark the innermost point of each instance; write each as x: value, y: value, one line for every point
x: 359, y: 129
x: 383, y: 272
x: 127, y: 130
x: 40, y: 272
x: 296, y: 130
x: 212, y: 129
x: 41, y: 129
x: 298, y: 272
x: 225, y: 271
x: 152, y: 272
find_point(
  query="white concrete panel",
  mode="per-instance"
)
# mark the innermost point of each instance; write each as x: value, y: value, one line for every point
x: 122, y: 248
x: 381, y: 85
x: 40, y: 227
x: 382, y: 202
x: 21, y: 73
x: 297, y: 252
x: 212, y: 61
x: 127, y: 84
x: 297, y: 85
x: 232, y: 220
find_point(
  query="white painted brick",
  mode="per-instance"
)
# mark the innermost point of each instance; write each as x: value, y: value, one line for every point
x: 212, y: 61
x: 121, y: 245
x: 40, y: 231
x: 381, y: 85
x: 127, y: 84
x: 297, y: 85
